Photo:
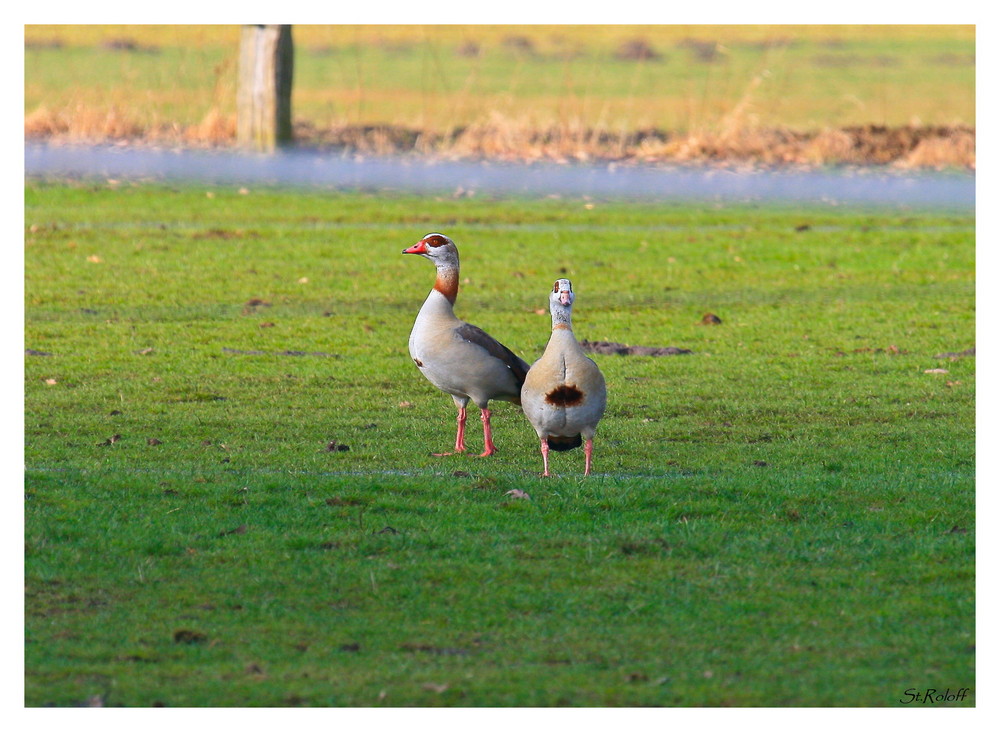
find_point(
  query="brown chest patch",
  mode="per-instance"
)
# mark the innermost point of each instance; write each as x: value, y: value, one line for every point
x: 447, y: 284
x: 418, y: 362
x: 566, y: 395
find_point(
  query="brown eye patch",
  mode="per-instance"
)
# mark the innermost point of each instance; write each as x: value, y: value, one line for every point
x: 555, y: 287
x: 435, y: 241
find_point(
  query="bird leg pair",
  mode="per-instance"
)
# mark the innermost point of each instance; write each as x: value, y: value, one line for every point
x: 488, y: 447
x: 588, y: 451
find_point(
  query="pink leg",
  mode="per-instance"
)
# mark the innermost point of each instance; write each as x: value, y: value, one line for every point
x: 459, y: 436
x: 588, y: 450
x: 488, y: 447
x: 545, y: 457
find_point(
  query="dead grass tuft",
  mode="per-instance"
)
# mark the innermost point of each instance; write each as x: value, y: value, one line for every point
x: 503, y: 138
x: 943, y: 151
x: 43, y: 123
x: 215, y: 129
x: 82, y: 124
x: 829, y: 144
x: 90, y: 125
x: 910, y: 147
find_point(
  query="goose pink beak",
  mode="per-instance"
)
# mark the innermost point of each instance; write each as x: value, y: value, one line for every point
x: 564, y: 297
x: 419, y: 248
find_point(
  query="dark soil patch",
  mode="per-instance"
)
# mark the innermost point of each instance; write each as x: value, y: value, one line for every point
x: 959, y: 354
x: 190, y: 637
x: 637, y: 49
x: 129, y: 45
x: 240, y: 352
x: 436, y: 650
x: 610, y: 348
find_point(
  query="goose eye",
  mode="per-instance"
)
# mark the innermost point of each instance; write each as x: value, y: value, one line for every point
x: 435, y: 241
x: 555, y: 287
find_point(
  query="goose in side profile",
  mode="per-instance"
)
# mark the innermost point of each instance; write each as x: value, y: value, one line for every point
x: 564, y: 394
x: 458, y: 358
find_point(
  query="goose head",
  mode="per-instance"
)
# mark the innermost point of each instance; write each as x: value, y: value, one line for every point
x: 562, y: 294
x: 561, y: 304
x: 436, y: 247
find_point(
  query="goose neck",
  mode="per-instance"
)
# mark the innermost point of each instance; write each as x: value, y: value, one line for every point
x: 447, y: 282
x: 562, y: 318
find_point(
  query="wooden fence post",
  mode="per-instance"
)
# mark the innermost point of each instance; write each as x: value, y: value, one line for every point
x: 264, y: 89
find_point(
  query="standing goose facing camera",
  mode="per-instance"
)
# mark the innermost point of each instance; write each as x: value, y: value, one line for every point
x: 457, y: 357
x: 564, y: 394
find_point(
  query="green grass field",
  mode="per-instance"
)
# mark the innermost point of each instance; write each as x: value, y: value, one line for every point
x: 784, y: 517
x: 435, y: 78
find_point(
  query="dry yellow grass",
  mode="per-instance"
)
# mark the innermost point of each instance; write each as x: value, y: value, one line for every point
x: 83, y: 124
x: 88, y: 125
x: 940, y: 152
x: 502, y: 138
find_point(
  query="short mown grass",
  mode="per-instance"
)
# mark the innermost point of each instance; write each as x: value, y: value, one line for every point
x: 784, y: 517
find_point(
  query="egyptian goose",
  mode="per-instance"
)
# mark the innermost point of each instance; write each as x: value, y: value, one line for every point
x: 458, y: 358
x: 564, y: 394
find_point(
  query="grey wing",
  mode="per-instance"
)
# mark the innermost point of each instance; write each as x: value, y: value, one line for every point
x: 474, y: 334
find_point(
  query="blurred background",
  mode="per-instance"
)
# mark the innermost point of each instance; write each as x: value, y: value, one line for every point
x: 805, y: 95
